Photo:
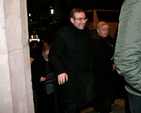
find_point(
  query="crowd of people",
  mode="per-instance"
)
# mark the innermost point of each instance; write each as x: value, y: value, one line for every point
x: 77, y: 69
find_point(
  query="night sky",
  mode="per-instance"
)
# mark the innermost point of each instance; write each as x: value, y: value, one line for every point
x: 69, y: 4
x: 41, y: 17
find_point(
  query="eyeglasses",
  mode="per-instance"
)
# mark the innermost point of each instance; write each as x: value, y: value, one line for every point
x: 80, y: 19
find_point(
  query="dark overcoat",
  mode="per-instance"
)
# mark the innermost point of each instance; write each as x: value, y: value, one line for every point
x: 39, y: 68
x: 103, y: 52
x: 71, y: 53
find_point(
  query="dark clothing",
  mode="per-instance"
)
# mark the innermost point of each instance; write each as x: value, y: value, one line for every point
x: 103, y: 51
x: 71, y: 53
x: 40, y: 68
x: 33, y: 53
x: 33, y: 49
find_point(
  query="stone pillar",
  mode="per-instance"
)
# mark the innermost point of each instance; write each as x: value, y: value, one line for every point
x: 15, y: 74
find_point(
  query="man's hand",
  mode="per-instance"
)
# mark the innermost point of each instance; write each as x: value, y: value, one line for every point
x: 42, y: 79
x: 114, y: 67
x: 62, y: 78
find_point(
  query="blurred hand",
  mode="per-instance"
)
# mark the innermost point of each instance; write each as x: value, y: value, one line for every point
x: 62, y: 78
x: 42, y: 79
x: 114, y: 67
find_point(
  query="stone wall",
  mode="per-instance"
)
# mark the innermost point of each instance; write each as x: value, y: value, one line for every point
x: 15, y: 74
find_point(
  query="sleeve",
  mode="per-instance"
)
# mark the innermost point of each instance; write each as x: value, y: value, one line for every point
x: 55, y: 54
x: 127, y: 56
x: 35, y: 73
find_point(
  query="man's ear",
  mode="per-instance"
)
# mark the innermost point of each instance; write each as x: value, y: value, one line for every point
x: 72, y: 20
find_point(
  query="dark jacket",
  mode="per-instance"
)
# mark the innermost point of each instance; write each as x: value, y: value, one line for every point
x: 103, y: 52
x: 44, y: 96
x: 127, y: 56
x: 39, y: 68
x: 71, y: 53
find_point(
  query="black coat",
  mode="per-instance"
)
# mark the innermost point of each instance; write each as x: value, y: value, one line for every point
x: 71, y: 53
x: 103, y: 52
x: 39, y: 68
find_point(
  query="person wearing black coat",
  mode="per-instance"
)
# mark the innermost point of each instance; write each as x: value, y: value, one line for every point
x: 103, y: 67
x: 40, y: 67
x: 71, y: 58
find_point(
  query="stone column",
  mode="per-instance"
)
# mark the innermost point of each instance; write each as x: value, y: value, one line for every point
x: 15, y: 75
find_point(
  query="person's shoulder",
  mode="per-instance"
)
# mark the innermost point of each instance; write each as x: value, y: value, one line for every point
x: 62, y: 33
x: 86, y: 29
x: 110, y: 39
x: 93, y: 30
x: 94, y: 34
x: 61, y: 30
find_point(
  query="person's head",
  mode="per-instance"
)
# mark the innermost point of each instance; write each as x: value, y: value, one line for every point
x: 33, y: 45
x: 78, y: 18
x: 33, y: 32
x: 103, y: 29
x: 46, y: 43
x: 45, y: 52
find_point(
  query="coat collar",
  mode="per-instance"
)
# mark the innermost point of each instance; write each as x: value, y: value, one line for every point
x: 95, y: 35
x: 74, y: 30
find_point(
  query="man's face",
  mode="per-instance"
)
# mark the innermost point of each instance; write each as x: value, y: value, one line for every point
x: 34, y: 46
x: 45, y: 54
x: 79, y: 20
x: 103, y: 31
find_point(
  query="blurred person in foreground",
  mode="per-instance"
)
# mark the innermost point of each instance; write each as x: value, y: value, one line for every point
x: 71, y: 57
x: 127, y: 56
x: 103, y: 67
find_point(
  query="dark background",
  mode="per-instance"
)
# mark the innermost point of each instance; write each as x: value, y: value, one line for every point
x: 46, y: 24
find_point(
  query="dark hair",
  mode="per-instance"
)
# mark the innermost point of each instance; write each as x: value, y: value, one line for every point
x: 74, y: 11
